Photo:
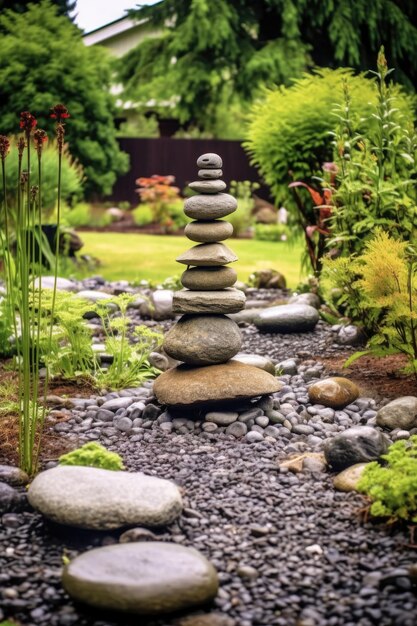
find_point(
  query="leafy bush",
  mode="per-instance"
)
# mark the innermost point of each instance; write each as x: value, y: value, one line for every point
x: 143, y: 215
x: 289, y: 128
x: 393, y: 487
x: 93, y: 455
x: 82, y: 214
x: 271, y: 232
x: 71, y: 178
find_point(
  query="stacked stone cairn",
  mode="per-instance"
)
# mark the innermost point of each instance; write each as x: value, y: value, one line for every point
x: 205, y: 339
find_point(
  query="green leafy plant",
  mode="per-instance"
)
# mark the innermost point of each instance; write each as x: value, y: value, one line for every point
x: 93, y: 454
x: 392, y: 487
x: 130, y: 365
x: 143, y: 214
x: 271, y: 232
x: 68, y: 352
x: 374, y: 184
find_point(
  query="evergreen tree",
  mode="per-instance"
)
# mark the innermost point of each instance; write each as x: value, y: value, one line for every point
x: 211, y: 51
x: 43, y: 60
x: 65, y: 7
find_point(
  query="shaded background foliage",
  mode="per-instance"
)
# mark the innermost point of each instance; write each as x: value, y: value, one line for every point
x: 211, y: 52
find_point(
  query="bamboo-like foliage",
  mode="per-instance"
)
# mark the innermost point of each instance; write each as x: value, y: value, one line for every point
x: 23, y: 263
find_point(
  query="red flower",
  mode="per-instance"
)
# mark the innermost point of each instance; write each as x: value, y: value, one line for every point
x: 39, y: 138
x: 27, y: 121
x: 4, y: 147
x: 59, y: 112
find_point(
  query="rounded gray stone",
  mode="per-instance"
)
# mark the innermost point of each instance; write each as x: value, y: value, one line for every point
x: 13, y: 475
x: 208, y: 278
x: 208, y: 232
x: 210, y: 160
x: 400, y: 413
x: 222, y: 418
x: 207, y: 254
x: 203, y: 339
x: 144, y: 578
x: 217, y: 301
x: 88, y: 497
x: 210, y: 174
x: 237, y: 429
x: 354, y: 445
x: 288, y: 318
x: 208, y: 186
x: 210, y: 207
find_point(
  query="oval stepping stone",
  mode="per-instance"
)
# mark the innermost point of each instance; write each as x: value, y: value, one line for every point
x: 208, y: 186
x: 224, y: 301
x: 203, y: 339
x: 208, y: 232
x: 210, y: 254
x: 88, y: 497
x: 287, y: 318
x: 185, y: 385
x: 208, y: 278
x: 210, y: 160
x: 147, y: 578
x: 210, y: 174
x: 210, y: 207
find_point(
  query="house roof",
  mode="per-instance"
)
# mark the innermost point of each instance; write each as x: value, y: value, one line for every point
x: 108, y: 31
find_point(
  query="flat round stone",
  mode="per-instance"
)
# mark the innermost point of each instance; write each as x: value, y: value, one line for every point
x: 185, y: 385
x: 220, y: 301
x: 256, y: 360
x: 210, y: 254
x: 208, y: 186
x: 209, y: 232
x: 208, y: 278
x: 145, y: 578
x: 210, y: 160
x: 203, y: 339
x: 88, y: 497
x: 210, y: 207
x: 210, y: 174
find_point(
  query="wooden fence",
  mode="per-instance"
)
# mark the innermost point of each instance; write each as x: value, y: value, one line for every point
x: 178, y: 157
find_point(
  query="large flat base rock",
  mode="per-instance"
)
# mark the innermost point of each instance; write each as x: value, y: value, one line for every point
x: 146, y: 578
x: 185, y: 385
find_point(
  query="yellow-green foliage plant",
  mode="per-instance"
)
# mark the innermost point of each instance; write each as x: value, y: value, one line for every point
x: 392, y: 487
x: 93, y: 454
x: 387, y: 287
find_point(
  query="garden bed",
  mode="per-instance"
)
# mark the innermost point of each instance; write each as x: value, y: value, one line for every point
x: 289, y: 549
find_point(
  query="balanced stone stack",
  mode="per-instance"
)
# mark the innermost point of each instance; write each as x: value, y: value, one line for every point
x: 204, y: 338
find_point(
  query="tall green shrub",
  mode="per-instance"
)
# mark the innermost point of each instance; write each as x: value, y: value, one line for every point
x: 288, y: 136
x: 43, y: 59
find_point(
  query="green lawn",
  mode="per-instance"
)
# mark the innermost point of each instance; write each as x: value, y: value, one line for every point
x: 134, y: 257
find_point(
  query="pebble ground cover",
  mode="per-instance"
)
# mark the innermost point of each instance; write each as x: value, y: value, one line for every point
x: 287, y: 546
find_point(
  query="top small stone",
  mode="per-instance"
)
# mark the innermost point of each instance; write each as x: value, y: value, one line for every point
x: 210, y: 161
